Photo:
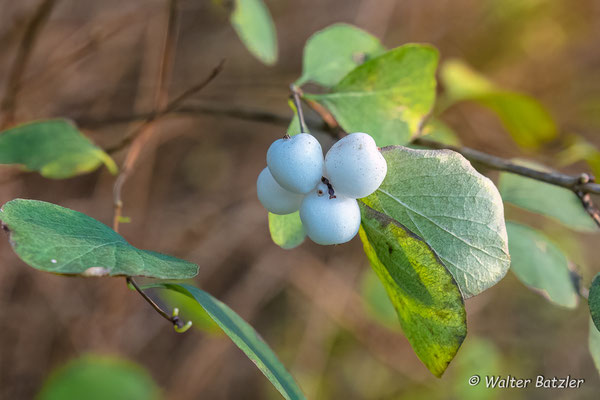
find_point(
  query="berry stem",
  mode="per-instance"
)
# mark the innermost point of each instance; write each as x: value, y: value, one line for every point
x: 296, y: 93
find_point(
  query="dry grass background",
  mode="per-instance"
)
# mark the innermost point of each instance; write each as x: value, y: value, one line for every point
x: 192, y: 194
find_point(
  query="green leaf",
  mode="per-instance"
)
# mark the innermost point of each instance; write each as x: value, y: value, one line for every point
x: 426, y: 297
x: 594, y: 301
x: 540, y: 264
x: 55, y: 148
x: 438, y: 195
x: 333, y: 52
x: 527, y: 120
x: 388, y: 96
x: 59, y: 240
x: 99, y: 377
x: 543, y: 198
x: 245, y: 337
x: 286, y: 230
x: 594, y: 344
x: 190, y: 310
x: 253, y: 23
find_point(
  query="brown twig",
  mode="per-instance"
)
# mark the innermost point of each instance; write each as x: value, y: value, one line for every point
x: 93, y: 43
x: 142, y: 135
x: 570, y: 182
x: 171, y: 107
x: 174, y: 319
x: 141, y: 138
x: 193, y: 110
x: 9, y: 103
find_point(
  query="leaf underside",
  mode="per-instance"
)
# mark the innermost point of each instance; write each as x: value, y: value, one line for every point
x: 439, y: 196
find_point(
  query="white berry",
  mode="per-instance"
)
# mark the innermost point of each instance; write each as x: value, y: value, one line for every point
x: 355, y: 166
x: 329, y: 220
x: 296, y: 163
x: 275, y: 198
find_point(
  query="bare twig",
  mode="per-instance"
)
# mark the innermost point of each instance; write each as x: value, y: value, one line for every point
x: 8, y: 105
x: 174, y: 319
x: 171, y: 107
x: 141, y: 137
x: 570, y: 182
x: 194, y: 110
x: 143, y: 134
x: 586, y: 200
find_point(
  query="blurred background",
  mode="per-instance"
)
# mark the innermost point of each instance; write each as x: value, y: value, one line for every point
x: 192, y: 195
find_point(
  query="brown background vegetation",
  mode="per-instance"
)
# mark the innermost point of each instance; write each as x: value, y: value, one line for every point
x: 192, y: 195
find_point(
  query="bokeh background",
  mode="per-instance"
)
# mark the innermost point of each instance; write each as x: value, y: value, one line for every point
x: 192, y: 195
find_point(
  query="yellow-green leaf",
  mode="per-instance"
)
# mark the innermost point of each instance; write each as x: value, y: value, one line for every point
x: 388, y: 96
x: 428, y: 301
x: 527, y: 120
x: 55, y: 148
x: 286, y: 230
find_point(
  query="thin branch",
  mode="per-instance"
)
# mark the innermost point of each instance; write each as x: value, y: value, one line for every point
x: 171, y: 107
x: 174, y: 319
x: 574, y: 183
x: 193, y: 110
x: 141, y: 136
x: 8, y: 105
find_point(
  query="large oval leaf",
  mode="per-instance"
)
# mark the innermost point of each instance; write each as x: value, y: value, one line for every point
x: 335, y: 51
x: 244, y: 336
x: 63, y: 241
x: 388, y: 96
x: 99, y: 377
x: 540, y: 264
x: 55, y: 148
x: 426, y: 297
x: 253, y: 23
x: 438, y: 195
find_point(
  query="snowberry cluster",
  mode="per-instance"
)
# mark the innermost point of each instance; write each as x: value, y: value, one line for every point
x: 324, y: 190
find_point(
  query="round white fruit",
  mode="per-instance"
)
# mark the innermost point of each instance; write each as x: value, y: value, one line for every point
x: 296, y: 163
x: 275, y: 198
x: 329, y: 220
x: 355, y: 166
